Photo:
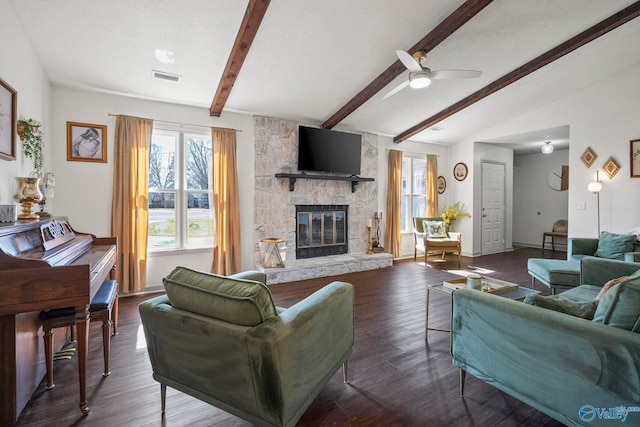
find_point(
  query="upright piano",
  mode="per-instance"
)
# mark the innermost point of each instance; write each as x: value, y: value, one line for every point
x: 44, y: 264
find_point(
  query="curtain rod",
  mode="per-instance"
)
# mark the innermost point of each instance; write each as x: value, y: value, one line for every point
x: 177, y: 123
x: 413, y: 154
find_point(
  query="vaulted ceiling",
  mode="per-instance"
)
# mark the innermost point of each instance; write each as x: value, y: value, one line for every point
x: 330, y: 62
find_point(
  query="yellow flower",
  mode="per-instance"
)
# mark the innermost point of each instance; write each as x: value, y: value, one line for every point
x: 452, y: 213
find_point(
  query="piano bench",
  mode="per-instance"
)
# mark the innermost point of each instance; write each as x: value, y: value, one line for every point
x: 104, y: 306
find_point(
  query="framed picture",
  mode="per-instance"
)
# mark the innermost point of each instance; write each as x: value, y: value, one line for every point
x: 635, y: 158
x: 86, y: 143
x: 611, y: 167
x: 588, y: 157
x: 460, y: 171
x: 8, y: 111
x: 442, y: 184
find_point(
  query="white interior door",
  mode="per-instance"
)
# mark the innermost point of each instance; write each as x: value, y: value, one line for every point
x: 493, y: 208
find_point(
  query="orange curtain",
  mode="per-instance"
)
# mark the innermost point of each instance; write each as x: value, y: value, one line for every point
x: 226, y: 202
x: 129, y: 203
x: 432, y: 185
x: 392, y: 235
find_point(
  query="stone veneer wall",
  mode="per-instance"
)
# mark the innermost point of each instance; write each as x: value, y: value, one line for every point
x: 276, y: 151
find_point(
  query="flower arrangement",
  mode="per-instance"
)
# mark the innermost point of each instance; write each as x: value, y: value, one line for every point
x: 31, y: 136
x: 452, y: 213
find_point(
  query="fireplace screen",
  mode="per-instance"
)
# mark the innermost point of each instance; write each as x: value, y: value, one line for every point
x: 321, y: 230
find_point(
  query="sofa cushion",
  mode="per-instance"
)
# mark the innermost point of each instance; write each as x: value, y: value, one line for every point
x: 614, y: 246
x: 620, y: 306
x: 434, y: 229
x: 243, y: 302
x: 584, y: 310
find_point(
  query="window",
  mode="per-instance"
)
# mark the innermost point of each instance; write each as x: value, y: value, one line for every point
x: 180, y: 196
x: 414, y: 190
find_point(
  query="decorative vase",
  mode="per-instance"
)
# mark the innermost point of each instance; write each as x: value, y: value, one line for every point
x: 27, y: 194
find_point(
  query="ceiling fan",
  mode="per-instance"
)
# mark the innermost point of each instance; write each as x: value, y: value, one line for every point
x: 420, y: 75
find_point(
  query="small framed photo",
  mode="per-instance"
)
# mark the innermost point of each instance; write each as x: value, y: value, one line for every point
x: 8, y: 111
x: 460, y: 171
x: 86, y: 142
x: 635, y: 158
x: 442, y: 184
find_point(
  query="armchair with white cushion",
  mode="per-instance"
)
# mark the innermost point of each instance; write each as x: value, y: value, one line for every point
x: 430, y: 236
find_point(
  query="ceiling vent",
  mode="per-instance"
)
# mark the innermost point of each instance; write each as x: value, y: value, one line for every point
x: 165, y: 76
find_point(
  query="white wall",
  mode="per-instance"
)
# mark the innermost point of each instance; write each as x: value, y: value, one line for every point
x: 536, y: 206
x: 22, y: 71
x: 603, y: 117
x: 83, y: 189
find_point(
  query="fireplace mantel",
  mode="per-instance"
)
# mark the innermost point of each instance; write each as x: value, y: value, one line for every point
x: 293, y: 176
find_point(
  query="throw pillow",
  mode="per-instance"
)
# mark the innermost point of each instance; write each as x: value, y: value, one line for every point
x: 243, y: 302
x: 610, y: 284
x: 584, y: 310
x: 614, y: 246
x: 620, y: 306
x: 434, y: 229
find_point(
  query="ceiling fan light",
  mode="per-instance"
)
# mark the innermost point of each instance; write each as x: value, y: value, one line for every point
x: 547, y: 148
x: 419, y: 80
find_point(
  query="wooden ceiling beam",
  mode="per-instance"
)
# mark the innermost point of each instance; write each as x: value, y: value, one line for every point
x: 447, y: 27
x: 247, y: 32
x: 625, y: 15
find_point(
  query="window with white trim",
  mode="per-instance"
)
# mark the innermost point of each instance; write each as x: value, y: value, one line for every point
x: 414, y: 190
x: 180, y: 196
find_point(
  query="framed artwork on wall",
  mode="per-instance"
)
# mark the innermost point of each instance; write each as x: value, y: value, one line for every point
x: 611, y: 167
x: 8, y: 111
x: 460, y: 171
x: 635, y: 158
x: 86, y: 142
x: 588, y: 157
x: 442, y: 184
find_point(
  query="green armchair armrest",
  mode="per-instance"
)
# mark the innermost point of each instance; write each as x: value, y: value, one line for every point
x: 584, y: 246
x: 598, y: 271
x: 632, y: 257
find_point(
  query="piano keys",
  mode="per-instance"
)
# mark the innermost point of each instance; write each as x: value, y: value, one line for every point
x: 44, y: 265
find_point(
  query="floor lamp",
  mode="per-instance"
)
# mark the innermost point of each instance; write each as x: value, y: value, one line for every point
x: 595, y: 188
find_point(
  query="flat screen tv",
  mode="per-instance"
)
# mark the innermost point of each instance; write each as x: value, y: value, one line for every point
x: 325, y: 150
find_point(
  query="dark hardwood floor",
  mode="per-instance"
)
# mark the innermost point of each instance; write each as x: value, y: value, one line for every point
x: 396, y: 377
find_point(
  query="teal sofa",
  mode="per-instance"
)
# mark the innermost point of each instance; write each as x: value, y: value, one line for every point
x: 222, y: 340
x: 568, y: 367
x: 563, y: 274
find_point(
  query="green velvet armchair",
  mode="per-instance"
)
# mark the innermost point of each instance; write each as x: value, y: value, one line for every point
x: 223, y: 341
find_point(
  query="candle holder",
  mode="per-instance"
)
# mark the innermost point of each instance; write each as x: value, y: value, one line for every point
x: 369, y: 247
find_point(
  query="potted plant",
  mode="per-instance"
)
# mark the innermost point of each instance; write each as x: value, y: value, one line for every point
x: 31, y: 135
x: 450, y: 214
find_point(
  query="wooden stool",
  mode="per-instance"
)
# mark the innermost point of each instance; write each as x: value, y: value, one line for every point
x: 104, y: 305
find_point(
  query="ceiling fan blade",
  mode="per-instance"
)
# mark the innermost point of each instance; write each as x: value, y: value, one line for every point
x: 455, y: 74
x: 396, y: 89
x: 408, y: 61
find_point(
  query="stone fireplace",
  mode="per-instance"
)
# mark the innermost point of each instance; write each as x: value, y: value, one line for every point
x: 321, y: 230
x: 276, y: 151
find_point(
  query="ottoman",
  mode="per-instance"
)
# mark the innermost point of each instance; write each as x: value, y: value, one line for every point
x: 555, y: 273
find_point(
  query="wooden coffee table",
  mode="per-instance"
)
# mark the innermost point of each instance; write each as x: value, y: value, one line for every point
x: 518, y: 294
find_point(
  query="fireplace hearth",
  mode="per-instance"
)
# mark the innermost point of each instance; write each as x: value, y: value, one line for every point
x: 321, y: 230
